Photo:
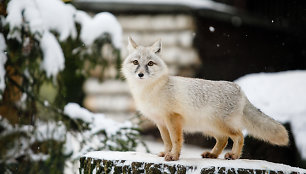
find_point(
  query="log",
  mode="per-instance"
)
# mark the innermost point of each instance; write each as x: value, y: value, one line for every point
x: 136, y: 163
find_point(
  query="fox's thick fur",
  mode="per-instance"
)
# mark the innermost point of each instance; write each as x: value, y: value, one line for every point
x: 216, y: 108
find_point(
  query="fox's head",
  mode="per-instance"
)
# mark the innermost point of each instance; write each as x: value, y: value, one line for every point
x: 144, y: 63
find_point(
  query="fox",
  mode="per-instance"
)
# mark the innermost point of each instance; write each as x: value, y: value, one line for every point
x: 176, y: 105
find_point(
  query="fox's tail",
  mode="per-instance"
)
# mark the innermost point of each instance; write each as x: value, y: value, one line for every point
x: 264, y: 127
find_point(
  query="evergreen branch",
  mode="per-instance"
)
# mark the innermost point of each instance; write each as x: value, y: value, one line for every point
x: 49, y: 107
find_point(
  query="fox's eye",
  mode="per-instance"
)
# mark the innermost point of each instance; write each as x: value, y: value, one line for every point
x: 151, y: 63
x: 135, y: 62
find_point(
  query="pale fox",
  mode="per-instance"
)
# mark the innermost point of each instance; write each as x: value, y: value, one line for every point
x: 215, y: 108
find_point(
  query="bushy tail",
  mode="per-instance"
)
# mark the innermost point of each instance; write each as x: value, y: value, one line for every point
x: 264, y: 127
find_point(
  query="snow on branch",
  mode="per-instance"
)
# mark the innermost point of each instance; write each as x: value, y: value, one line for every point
x: 54, y: 60
x: 103, y: 133
x: 28, y: 135
x: 41, y: 17
x: 93, y: 28
x: 98, y: 121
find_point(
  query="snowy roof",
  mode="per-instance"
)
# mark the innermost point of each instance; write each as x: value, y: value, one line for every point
x: 157, y: 4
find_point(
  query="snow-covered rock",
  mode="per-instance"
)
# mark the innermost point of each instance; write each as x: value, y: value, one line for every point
x: 137, y: 162
x: 282, y: 96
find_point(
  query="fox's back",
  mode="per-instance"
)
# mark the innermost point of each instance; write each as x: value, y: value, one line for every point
x: 204, y: 100
x: 199, y: 93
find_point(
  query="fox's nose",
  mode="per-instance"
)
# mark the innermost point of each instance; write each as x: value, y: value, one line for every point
x: 140, y: 75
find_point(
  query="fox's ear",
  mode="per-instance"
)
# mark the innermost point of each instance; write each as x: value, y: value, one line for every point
x: 132, y: 45
x: 156, y: 47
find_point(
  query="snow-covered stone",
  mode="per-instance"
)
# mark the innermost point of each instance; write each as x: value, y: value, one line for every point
x: 138, y: 162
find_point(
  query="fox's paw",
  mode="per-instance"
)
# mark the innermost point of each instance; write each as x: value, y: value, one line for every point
x: 208, y: 155
x: 171, y: 157
x: 231, y: 156
x: 161, y: 154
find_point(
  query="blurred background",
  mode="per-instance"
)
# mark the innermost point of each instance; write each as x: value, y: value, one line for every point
x: 211, y: 39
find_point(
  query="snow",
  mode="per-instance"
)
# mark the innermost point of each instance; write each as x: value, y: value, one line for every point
x: 54, y: 60
x: 42, y: 17
x: 93, y: 28
x: 79, y: 143
x: 211, y: 29
x: 39, y: 17
x: 3, y: 59
x: 200, y: 163
x: 282, y: 96
x: 75, y: 143
x: 14, y: 17
x: 49, y: 130
x: 29, y: 134
x: 59, y: 17
x: 99, y: 121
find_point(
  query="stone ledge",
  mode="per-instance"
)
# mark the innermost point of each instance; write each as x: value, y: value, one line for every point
x: 136, y: 162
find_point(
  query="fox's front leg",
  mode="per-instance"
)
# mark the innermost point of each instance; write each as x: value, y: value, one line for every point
x: 174, y: 124
x: 166, y: 139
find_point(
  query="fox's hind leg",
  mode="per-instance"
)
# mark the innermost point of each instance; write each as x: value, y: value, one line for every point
x: 238, y: 140
x: 166, y: 139
x: 221, y: 142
